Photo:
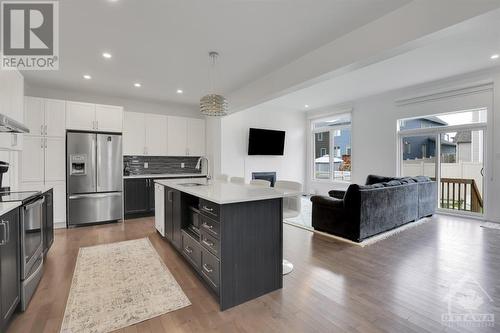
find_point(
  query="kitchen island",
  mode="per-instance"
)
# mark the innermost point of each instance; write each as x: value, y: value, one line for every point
x: 231, y: 234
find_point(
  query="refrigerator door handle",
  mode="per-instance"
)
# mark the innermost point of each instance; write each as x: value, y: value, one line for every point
x: 93, y: 195
x: 94, y: 153
x: 99, y: 162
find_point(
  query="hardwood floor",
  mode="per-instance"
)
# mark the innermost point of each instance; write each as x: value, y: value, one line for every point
x: 396, y: 285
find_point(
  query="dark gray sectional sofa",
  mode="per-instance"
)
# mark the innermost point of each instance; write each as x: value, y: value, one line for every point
x: 382, y: 204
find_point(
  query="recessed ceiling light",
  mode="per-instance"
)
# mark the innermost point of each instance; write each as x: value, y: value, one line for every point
x: 107, y: 55
x: 137, y: 85
x: 87, y: 77
x: 495, y: 56
x: 180, y: 91
x: 306, y: 106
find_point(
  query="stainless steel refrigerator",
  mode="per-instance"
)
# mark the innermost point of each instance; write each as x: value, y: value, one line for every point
x: 94, y: 177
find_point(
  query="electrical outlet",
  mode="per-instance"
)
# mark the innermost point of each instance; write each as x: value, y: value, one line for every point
x: 182, y: 165
x: 146, y: 165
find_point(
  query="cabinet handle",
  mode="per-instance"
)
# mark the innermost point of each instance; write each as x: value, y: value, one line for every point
x: 207, y: 226
x: 207, y: 268
x: 8, y: 230
x: 45, y: 129
x: 41, y: 129
x: 188, y: 250
x: 208, y: 209
x: 41, y: 143
x: 45, y: 143
x: 4, y: 240
x: 204, y: 241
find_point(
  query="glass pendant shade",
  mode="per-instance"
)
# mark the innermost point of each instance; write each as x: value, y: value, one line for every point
x: 213, y: 105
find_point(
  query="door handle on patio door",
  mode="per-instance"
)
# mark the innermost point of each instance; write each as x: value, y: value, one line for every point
x: 482, y: 172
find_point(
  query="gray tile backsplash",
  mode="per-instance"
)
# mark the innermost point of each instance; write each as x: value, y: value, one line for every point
x: 159, y: 164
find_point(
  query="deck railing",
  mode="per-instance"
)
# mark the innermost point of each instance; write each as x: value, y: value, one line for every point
x: 461, y: 194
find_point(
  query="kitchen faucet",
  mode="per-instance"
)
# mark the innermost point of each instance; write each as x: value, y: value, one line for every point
x: 198, y: 166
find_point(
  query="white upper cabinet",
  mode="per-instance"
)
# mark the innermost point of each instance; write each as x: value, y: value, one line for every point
x: 133, y: 133
x: 45, y: 116
x: 55, y: 117
x: 159, y: 135
x: 156, y: 134
x: 177, y: 136
x: 109, y: 118
x: 80, y: 116
x: 196, y: 137
x: 34, y: 115
x: 11, y: 105
x: 92, y: 117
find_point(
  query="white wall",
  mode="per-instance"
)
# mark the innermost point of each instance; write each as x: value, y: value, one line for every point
x: 235, y: 160
x: 374, y: 121
x: 129, y: 105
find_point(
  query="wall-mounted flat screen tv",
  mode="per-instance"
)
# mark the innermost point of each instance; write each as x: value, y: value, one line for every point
x: 266, y: 142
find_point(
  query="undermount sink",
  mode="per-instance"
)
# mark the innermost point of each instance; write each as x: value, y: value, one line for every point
x: 193, y: 184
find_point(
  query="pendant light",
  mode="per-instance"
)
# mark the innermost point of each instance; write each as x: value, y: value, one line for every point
x: 213, y: 104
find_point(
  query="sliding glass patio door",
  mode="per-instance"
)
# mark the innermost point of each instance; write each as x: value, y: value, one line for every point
x: 454, y: 158
x: 461, y: 170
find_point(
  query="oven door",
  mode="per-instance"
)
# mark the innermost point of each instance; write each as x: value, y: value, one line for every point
x: 31, y: 235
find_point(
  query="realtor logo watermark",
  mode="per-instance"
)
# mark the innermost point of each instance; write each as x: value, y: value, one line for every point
x: 466, y: 301
x: 30, y: 35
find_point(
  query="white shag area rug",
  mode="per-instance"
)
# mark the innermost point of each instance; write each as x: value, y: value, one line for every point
x: 117, y: 285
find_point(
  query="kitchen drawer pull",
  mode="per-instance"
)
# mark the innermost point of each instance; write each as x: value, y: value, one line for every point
x: 4, y: 240
x: 207, y: 226
x: 8, y: 230
x: 207, y: 268
x: 208, y: 209
x: 188, y: 250
x: 207, y: 243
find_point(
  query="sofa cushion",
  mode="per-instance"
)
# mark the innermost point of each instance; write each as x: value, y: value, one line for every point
x: 393, y: 182
x: 421, y: 179
x: 372, y: 186
x: 407, y: 180
x: 374, y: 179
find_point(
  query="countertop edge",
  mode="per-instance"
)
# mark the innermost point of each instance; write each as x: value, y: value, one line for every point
x: 165, y: 175
x: 187, y: 190
x: 6, y: 207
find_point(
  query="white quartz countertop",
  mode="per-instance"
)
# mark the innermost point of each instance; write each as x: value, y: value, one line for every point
x: 165, y: 175
x: 225, y: 193
x: 6, y: 207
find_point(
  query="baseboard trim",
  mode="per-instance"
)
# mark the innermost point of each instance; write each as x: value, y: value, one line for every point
x: 60, y: 225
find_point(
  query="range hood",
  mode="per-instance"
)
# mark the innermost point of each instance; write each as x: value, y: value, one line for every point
x: 10, y: 125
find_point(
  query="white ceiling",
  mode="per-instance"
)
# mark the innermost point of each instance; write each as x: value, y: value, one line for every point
x: 164, y: 44
x: 463, y: 48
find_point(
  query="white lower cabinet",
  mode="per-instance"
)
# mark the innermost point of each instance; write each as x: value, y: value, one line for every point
x: 55, y: 159
x: 33, y: 159
x: 160, y: 209
x: 43, y: 159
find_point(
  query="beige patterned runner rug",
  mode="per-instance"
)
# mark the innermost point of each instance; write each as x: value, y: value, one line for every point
x: 118, y: 285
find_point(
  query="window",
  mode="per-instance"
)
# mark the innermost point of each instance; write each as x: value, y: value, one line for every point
x: 332, y: 148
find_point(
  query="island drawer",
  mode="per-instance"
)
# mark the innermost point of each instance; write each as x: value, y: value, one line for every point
x: 191, y: 250
x: 209, y: 208
x: 211, y: 226
x: 210, y: 269
x: 209, y: 242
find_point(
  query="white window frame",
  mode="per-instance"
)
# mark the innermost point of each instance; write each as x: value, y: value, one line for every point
x: 331, y: 130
